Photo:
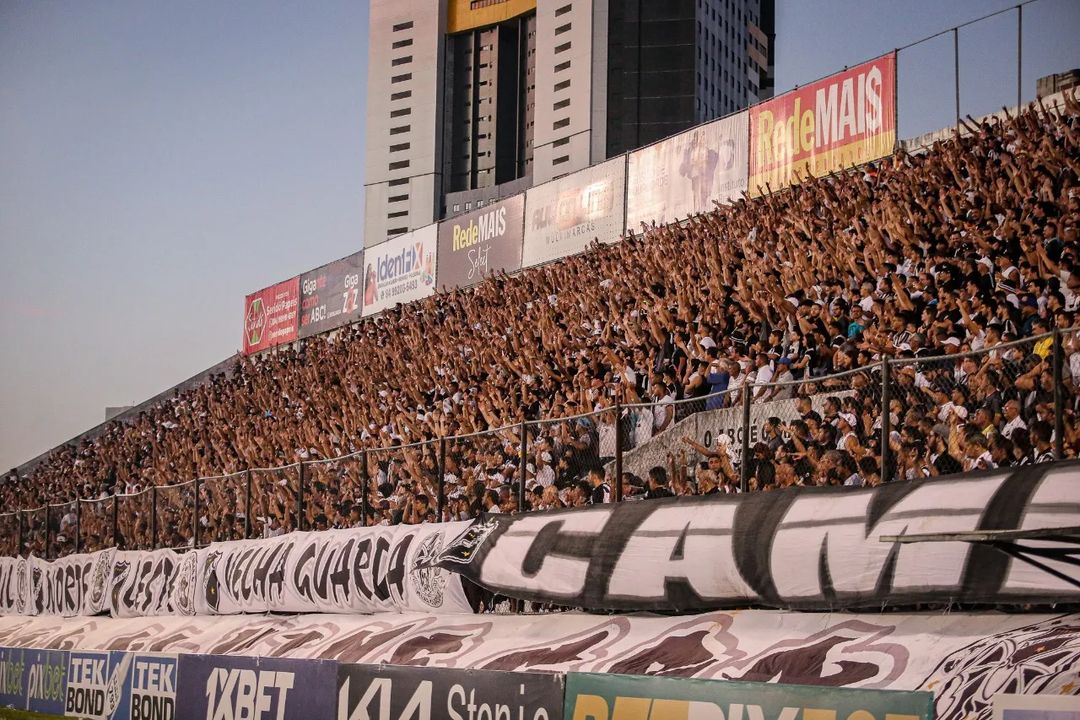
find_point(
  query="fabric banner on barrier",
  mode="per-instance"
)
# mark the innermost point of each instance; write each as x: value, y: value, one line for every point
x: 425, y: 693
x: 685, y: 174
x: 592, y: 696
x: 14, y: 586
x: 150, y: 689
x: 270, y: 316
x: 365, y: 570
x: 73, y: 585
x: 843, y: 120
x: 97, y: 684
x: 220, y: 687
x: 33, y: 679
x: 565, y: 216
x: 400, y: 270
x: 477, y: 244
x: 330, y: 295
x: 142, y: 583
x: 811, y: 548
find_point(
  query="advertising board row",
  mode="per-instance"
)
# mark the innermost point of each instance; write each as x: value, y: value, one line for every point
x: 843, y: 120
x: 114, y: 685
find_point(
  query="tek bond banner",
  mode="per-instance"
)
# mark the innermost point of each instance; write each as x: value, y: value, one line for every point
x: 222, y: 687
x: 422, y: 693
x: 843, y: 120
x: 400, y: 270
x: 686, y: 174
x: 807, y: 548
x: 366, y: 570
x: 270, y: 316
x: 97, y: 684
x: 478, y: 244
x: 565, y: 216
x: 627, y: 697
x: 33, y: 679
x: 330, y: 296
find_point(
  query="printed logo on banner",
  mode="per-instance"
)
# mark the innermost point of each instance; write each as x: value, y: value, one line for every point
x: 60, y: 587
x: 330, y: 295
x: 220, y: 687
x: 400, y: 270
x: 14, y: 585
x: 151, y: 688
x: 420, y: 693
x: 33, y: 679
x: 270, y: 316
x: 143, y: 583
x: 477, y: 244
x: 96, y: 683
x: 255, y: 321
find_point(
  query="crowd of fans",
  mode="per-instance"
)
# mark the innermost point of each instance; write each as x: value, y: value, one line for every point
x: 969, y: 247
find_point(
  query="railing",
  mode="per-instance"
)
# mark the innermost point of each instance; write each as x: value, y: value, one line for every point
x: 741, y: 439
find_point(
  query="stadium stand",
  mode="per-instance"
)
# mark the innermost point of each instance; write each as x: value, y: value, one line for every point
x: 958, y: 264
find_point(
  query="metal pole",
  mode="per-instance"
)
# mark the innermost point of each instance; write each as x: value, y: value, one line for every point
x: 48, y: 531
x: 619, y: 440
x: 116, y: 521
x: 1019, y: 54
x: 195, y: 517
x: 440, y: 501
x: 524, y: 462
x: 956, y: 73
x: 22, y: 540
x: 1059, y: 398
x: 247, y: 504
x: 886, y: 421
x: 300, y: 498
x: 364, y: 488
x: 153, y: 518
x: 78, y: 525
x: 744, y: 474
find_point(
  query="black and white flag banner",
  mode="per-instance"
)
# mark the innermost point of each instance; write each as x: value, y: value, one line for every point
x: 142, y: 583
x: 70, y: 586
x: 806, y: 548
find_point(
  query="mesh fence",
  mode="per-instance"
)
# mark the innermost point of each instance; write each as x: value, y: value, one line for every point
x: 332, y: 490
x: 134, y: 521
x: 35, y: 524
x: 223, y: 506
x: 482, y: 465
x: 96, y: 528
x: 274, y: 500
x: 567, y: 452
x: 1070, y: 392
x: 176, y: 515
x: 404, y: 481
x: 62, y: 529
x: 10, y: 533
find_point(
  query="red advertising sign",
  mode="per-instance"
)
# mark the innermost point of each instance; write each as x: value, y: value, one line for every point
x: 846, y: 119
x: 270, y: 316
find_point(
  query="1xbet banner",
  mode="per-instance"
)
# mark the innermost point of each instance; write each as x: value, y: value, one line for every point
x: 629, y: 697
x: 845, y: 119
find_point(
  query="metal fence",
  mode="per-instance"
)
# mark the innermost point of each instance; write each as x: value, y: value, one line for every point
x: 1013, y: 402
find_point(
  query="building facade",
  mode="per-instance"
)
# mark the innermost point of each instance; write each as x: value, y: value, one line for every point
x: 470, y: 101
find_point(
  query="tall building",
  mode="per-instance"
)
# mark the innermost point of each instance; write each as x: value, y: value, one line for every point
x: 473, y: 100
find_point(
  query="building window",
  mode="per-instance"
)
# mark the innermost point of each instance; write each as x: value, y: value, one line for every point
x: 399, y: 147
x: 396, y: 231
x: 562, y: 29
x: 559, y: 124
x: 401, y: 43
x: 399, y: 182
x: 401, y: 95
x: 400, y: 129
x: 561, y: 104
x: 561, y: 85
x: 403, y: 26
x: 398, y: 198
x: 401, y: 112
x: 562, y: 48
x: 560, y: 142
x: 563, y: 10
x: 399, y: 214
x: 401, y: 61
x: 399, y: 165
x: 401, y: 78
x: 562, y: 66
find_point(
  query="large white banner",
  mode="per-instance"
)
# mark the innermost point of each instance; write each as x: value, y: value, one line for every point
x: 143, y: 583
x: 400, y: 270
x: 366, y: 570
x: 69, y: 586
x: 564, y: 216
x: 14, y: 586
x: 685, y: 174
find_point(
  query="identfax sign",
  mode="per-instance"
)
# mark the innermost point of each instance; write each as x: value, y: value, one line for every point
x: 845, y: 119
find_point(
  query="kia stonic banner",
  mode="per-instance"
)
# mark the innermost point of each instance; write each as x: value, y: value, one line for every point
x: 330, y: 295
x: 400, y: 270
x: 270, y: 316
x: 845, y: 119
x: 564, y: 216
x: 475, y: 245
x: 591, y: 696
x: 685, y: 174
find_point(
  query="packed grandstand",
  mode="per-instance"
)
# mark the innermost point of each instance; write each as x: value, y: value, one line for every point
x: 957, y: 264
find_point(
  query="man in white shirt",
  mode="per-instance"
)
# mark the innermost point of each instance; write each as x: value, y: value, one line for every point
x: 1014, y: 422
x: 764, y: 377
x: 664, y: 409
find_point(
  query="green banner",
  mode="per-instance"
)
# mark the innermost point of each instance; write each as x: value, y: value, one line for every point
x: 629, y: 697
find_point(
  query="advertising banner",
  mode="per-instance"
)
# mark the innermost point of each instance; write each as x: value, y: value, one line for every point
x: 475, y: 245
x: 270, y: 316
x: 467, y: 14
x: 631, y: 697
x: 364, y: 570
x: 330, y: 295
x: 685, y: 174
x: 97, y: 684
x: 425, y: 693
x: 73, y: 585
x: 565, y: 216
x: 142, y: 582
x: 226, y: 687
x: 845, y: 119
x: 150, y: 692
x: 33, y: 679
x: 808, y: 548
x: 400, y: 270
x: 14, y: 586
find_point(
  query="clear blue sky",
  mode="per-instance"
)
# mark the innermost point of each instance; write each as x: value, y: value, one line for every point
x: 158, y: 160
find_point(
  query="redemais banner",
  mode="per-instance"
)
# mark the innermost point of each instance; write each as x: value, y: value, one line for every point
x: 845, y: 119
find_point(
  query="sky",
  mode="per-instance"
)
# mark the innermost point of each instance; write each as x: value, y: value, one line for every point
x: 160, y: 160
